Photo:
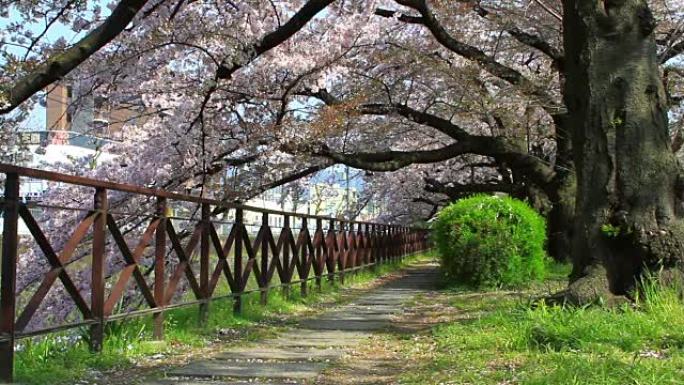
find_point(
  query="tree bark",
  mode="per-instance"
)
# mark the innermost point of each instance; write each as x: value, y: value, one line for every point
x: 625, y: 222
x: 560, y: 217
x: 561, y: 193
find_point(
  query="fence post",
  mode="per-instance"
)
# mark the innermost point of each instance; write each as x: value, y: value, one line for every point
x: 204, y: 265
x: 361, y: 245
x: 263, y: 285
x: 342, y: 254
x: 357, y: 236
x: 303, y: 262
x: 366, y: 243
x: 417, y: 240
x: 399, y: 242
x: 97, y: 289
x: 390, y: 244
x: 380, y: 244
x: 393, y: 243
x: 349, y: 239
x: 386, y: 255
x: 369, y: 244
x: 372, y: 254
x: 319, y: 254
x: 237, y: 260
x: 159, y: 269
x: 8, y: 281
x: 332, y: 245
x: 285, y: 231
x: 409, y: 240
x: 402, y: 248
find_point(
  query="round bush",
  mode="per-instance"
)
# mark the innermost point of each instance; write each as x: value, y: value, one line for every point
x: 491, y: 241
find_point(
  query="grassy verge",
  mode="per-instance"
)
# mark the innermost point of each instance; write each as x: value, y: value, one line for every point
x: 65, y: 359
x: 499, y: 339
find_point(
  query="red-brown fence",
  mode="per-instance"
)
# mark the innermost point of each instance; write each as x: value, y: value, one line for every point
x: 322, y: 247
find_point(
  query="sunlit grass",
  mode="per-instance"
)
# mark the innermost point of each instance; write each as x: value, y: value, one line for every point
x: 503, y: 340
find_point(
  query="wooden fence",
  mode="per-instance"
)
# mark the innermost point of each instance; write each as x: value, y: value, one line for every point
x: 314, y: 248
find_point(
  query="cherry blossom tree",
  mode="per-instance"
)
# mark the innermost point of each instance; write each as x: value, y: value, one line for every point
x: 186, y: 68
x: 462, y: 96
x: 583, y: 71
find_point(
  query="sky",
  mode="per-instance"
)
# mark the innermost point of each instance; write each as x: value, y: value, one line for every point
x: 37, y: 118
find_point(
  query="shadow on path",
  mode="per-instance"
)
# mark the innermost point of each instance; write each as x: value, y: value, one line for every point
x: 300, y: 354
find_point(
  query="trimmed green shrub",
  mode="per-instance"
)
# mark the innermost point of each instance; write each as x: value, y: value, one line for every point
x: 491, y: 241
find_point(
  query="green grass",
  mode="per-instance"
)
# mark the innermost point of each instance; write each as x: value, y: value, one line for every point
x: 64, y: 358
x: 505, y: 341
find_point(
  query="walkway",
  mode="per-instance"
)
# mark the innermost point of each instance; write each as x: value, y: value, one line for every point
x: 301, y: 354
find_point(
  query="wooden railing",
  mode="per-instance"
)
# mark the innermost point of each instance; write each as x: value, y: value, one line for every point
x: 313, y: 249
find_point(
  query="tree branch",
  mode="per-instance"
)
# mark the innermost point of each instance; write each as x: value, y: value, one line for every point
x: 61, y: 64
x: 534, y: 41
x: 501, y: 149
x: 487, y: 62
x: 390, y: 160
x: 445, y: 126
x: 456, y: 191
x: 672, y: 51
x: 400, y: 16
x: 289, y: 178
x: 549, y: 10
x: 277, y: 37
x: 542, y: 45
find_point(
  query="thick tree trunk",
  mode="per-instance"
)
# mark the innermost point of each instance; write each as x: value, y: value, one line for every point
x: 561, y: 193
x: 626, y: 174
x: 560, y: 216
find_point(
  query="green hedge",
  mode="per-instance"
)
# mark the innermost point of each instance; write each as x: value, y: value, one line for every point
x: 491, y: 241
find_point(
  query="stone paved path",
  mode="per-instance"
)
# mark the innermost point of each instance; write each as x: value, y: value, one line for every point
x: 300, y: 354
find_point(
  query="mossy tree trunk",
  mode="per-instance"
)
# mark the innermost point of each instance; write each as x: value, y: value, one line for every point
x: 626, y: 174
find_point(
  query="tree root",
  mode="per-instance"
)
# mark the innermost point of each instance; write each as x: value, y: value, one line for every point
x: 591, y: 289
